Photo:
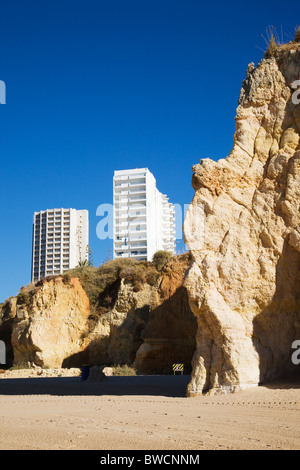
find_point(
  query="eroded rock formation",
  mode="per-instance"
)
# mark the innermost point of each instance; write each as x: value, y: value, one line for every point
x: 243, y: 230
x: 53, y: 323
x: 46, y: 324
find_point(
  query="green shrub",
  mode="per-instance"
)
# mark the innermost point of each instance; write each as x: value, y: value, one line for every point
x: 272, y: 47
x: 124, y: 370
x: 23, y: 298
x: 160, y: 259
x: 98, y: 282
x: 25, y: 295
x: 20, y: 366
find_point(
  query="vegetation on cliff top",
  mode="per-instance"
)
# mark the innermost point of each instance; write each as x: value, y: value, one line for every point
x: 101, y: 283
x: 96, y: 280
x: 160, y: 259
x: 275, y: 41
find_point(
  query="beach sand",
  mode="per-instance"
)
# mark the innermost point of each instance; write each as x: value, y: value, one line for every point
x: 143, y: 412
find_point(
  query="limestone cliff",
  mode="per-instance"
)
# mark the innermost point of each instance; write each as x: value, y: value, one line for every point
x: 58, y: 323
x: 243, y: 231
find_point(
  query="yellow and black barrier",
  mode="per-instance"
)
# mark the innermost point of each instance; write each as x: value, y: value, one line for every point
x: 178, y: 368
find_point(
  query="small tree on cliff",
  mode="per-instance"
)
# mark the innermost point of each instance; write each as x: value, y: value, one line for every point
x: 160, y: 259
x: 89, y: 260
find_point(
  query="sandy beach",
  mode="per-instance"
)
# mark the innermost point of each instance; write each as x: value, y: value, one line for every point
x: 143, y: 412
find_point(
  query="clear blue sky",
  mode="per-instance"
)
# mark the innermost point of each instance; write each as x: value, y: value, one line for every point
x: 99, y: 85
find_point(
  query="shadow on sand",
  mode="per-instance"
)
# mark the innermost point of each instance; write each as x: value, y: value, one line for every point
x: 156, y: 385
x: 284, y: 383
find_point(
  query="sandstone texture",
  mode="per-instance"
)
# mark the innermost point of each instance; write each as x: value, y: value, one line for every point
x: 243, y: 231
x: 46, y: 324
x: 115, y: 336
x: 52, y: 325
x: 34, y: 372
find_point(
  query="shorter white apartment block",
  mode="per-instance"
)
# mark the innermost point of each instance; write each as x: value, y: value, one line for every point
x: 60, y: 241
x: 144, y: 219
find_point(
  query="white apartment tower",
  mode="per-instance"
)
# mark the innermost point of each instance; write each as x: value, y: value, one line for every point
x: 60, y: 241
x: 144, y: 220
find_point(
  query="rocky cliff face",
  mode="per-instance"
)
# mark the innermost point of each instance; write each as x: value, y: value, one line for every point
x: 52, y: 323
x: 114, y: 336
x: 243, y: 230
x: 169, y: 336
x: 45, y: 324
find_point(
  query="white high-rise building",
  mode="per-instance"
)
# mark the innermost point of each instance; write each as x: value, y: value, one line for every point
x: 60, y: 241
x: 144, y: 220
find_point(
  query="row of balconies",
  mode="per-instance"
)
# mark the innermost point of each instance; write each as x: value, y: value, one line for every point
x: 131, y: 214
x: 122, y: 199
x: 129, y: 177
x: 130, y: 192
x: 55, y: 212
x: 50, y: 272
x: 50, y: 268
x: 130, y: 236
x: 43, y: 254
x: 48, y: 221
x: 49, y: 249
x: 130, y: 245
x: 126, y: 211
x: 57, y: 251
x: 130, y: 186
x: 137, y: 233
x: 42, y: 273
x: 51, y: 223
x: 50, y: 254
x: 125, y: 229
x: 49, y: 265
x: 131, y: 223
x: 51, y: 233
x: 43, y: 262
x: 121, y: 205
x: 133, y: 254
x: 51, y: 240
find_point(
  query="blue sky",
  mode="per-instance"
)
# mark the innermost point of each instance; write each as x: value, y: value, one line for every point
x: 98, y: 85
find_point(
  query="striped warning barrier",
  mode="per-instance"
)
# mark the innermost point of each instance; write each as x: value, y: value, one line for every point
x: 178, y: 368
